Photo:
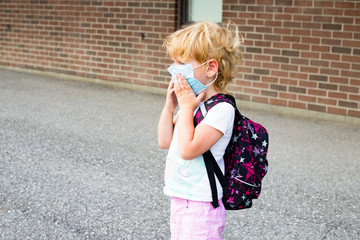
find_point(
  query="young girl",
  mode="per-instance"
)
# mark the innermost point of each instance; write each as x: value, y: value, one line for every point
x: 204, y: 56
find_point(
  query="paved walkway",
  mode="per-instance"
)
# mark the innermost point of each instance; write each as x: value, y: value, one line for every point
x: 80, y: 160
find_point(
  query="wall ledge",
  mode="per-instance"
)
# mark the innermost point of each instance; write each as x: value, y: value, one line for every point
x: 286, y: 111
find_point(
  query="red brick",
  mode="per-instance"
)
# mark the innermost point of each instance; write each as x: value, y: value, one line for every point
x: 325, y: 4
x: 352, y: 59
x: 333, y: 11
x: 260, y: 85
x: 267, y: 79
x: 354, y: 113
x: 349, y: 89
x: 352, y: 28
x: 316, y: 107
x: 338, y: 95
x: 285, y: 95
x: 342, y: 65
x: 321, y: 33
x: 298, y: 75
x: 348, y: 104
x: 282, y: 17
x: 341, y: 80
x: 351, y: 74
x: 262, y: 44
x: 292, y: 10
x: 265, y: 16
x: 310, y: 55
x: 302, y: 18
x: 265, y: 2
x: 311, y: 25
x: 281, y: 45
x: 290, y: 82
x: 269, y: 93
x: 330, y: 56
x: 349, y: 43
x: 273, y: 23
x: 243, y: 96
x: 301, y: 46
x: 301, y: 32
x: 320, y: 48
x: 355, y: 82
x: 329, y: 71
x: 346, y: 20
x: 337, y: 110
x: 353, y: 12
x: 303, y: 3
x: 294, y: 39
x: 251, y: 91
x: 297, y: 104
x: 343, y: 35
x: 317, y: 92
x: 253, y: 63
x: 344, y: 5
x: 263, y: 58
x: 305, y: 98
x: 260, y: 99
x: 280, y: 102
x: 354, y: 97
x: 327, y: 101
x: 288, y: 67
x: 309, y: 69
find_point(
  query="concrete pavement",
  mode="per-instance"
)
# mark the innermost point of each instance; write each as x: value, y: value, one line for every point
x: 80, y: 160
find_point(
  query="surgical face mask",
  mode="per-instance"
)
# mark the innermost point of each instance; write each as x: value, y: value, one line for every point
x: 188, y: 72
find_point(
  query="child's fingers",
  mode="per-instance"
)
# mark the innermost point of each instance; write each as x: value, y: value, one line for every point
x: 171, y: 85
x: 178, y: 82
x: 182, y: 82
x: 200, y: 96
x: 171, y: 91
x: 178, y: 79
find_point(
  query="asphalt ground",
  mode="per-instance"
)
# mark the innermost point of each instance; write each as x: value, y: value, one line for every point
x: 80, y: 160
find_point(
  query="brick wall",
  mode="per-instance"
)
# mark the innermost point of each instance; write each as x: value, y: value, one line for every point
x: 300, y: 54
x: 114, y: 40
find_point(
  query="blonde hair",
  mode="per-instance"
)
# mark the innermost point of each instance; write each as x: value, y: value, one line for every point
x: 206, y: 40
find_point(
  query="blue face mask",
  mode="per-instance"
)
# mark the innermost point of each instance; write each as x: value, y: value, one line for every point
x: 188, y: 72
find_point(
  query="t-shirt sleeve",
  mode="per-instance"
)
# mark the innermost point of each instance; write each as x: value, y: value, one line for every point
x: 221, y: 117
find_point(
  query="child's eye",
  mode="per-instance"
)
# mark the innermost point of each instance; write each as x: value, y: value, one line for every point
x: 179, y: 63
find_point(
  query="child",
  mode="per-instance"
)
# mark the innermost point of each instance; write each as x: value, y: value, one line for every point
x: 204, y: 56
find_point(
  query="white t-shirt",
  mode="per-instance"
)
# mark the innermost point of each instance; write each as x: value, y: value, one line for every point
x: 188, y: 179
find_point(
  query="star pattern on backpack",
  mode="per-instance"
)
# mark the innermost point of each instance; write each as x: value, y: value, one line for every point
x: 245, y: 157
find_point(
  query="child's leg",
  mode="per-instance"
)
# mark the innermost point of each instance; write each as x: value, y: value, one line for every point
x: 193, y: 220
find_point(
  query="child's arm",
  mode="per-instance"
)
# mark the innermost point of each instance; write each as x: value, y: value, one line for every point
x: 192, y: 141
x: 167, y: 119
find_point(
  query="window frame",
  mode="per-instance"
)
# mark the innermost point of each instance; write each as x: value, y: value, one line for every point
x: 183, y: 13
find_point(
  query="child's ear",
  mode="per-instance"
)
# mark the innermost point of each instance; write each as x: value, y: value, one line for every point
x: 212, y: 68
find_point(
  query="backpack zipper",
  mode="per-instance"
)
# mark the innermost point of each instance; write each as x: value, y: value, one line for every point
x: 252, y: 185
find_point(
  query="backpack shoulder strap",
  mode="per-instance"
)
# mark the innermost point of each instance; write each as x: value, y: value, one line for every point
x: 211, y: 165
x: 212, y: 169
x: 211, y: 102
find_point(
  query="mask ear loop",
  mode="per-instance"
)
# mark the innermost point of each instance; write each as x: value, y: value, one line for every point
x: 217, y: 73
x: 201, y: 65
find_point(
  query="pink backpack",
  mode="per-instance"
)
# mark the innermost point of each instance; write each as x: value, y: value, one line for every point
x: 245, y: 159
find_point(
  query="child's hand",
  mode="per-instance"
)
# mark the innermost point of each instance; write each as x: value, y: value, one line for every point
x: 171, y: 101
x: 185, y: 94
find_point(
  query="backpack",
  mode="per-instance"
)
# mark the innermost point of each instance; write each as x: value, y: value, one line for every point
x: 245, y: 159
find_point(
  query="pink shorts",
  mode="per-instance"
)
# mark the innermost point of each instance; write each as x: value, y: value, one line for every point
x: 194, y: 220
